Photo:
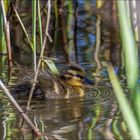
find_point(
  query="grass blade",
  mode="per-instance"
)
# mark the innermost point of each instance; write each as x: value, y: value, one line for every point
x: 124, y: 105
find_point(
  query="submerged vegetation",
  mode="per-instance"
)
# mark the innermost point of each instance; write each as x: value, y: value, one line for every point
x: 50, y: 27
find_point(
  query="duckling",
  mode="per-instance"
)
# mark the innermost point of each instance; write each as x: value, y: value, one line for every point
x: 74, y: 79
x: 70, y: 83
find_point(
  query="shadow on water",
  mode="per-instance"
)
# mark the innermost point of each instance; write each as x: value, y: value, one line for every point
x: 95, y: 117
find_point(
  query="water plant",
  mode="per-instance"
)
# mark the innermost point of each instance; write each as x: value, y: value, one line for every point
x: 128, y: 45
x: 129, y: 48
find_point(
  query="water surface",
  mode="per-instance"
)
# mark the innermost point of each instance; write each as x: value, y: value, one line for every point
x: 97, y: 116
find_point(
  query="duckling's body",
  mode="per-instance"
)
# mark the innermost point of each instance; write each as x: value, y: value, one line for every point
x: 68, y: 84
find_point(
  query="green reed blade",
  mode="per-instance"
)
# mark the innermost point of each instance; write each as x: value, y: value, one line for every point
x: 136, y: 103
x: 124, y: 105
x: 6, y: 5
x: 51, y: 66
x: 2, y: 35
x: 130, y: 48
x: 34, y: 30
x: 40, y: 24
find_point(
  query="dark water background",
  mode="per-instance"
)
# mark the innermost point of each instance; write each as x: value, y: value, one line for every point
x: 96, y: 117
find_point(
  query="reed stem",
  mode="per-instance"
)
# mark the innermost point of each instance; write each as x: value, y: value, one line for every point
x: 124, y: 105
x: 34, y: 30
x: 2, y: 36
x: 40, y: 23
x: 19, y: 109
x: 23, y: 28
x: 7, y: 34
x: 130, y: 48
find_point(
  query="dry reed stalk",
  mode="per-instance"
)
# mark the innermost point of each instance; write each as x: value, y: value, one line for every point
x: 19, y: 109
x: 23, y: 28
x: 7, y: 34
x: 98, y: 43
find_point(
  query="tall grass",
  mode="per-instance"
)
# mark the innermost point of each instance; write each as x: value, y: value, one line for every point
x: 40, y: 24
x: 2, y: 36
x: 41, y: 53
x: 34, y: 7
x: 124, y: 105
x: 130, y: 48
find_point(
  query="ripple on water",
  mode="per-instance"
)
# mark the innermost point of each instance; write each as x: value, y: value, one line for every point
x: 97, y: 115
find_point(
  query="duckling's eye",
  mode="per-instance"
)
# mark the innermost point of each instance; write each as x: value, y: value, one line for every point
x: 79, y: 76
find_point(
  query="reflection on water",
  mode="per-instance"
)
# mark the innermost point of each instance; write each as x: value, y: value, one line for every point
x: 95, y: 117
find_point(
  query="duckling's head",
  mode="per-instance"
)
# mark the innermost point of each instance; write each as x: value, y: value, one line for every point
x: 74, y: 75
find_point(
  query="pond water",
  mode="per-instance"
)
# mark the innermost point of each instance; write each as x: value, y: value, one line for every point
x: 96, y: 117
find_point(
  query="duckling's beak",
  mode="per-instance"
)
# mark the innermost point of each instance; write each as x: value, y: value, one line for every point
x: 87, y: 81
